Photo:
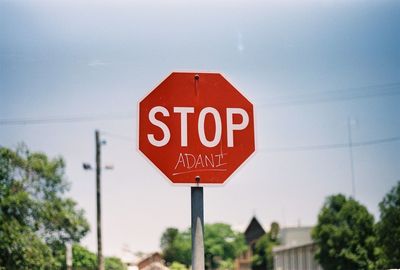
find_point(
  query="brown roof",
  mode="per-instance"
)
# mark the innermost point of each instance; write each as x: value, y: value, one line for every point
x: 152, y: 258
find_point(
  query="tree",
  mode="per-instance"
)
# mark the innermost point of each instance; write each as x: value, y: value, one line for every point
x: 176, y: 246
x: 177, y: 266
x: 36, y: 220
x: 262, y: 254
x: 222, y: 245
x: 345, y: 235
x: 84, y: 259
x: 388, y: 229
x: 227, y: 264
x: 274, y: 231
x: 114, y: 263
x: 262, y: 257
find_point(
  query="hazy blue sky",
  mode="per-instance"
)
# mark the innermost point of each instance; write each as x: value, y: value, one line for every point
x: 306, y: 65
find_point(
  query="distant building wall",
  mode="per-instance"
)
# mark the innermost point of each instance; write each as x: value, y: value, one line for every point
x: 243, y: 262
x: 296, y: 257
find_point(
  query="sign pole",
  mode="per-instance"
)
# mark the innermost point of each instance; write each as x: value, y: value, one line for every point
x: 197, y: 228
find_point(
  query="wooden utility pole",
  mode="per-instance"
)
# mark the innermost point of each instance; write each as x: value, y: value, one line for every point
x: 68, y: 255
x: 100, y: 261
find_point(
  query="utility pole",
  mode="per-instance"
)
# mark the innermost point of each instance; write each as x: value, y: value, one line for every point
x: 68, y: 255
x: 100, y: 261
x: 350, y: 143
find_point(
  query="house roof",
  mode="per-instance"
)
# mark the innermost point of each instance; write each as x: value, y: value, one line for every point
x: 149, y: 259
x: 253, y: 231
x: 284, y: 248
x: 295, y: 236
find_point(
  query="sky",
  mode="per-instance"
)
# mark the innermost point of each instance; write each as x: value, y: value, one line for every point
x: 311, y: 69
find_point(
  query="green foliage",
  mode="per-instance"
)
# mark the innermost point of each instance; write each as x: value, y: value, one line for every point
x: 114, y: 263
x: 262, y: 256
x: 274, y: 231
x: 21, y: 248
x: 221, y: 244
x: 262, y: 253
x: 177, y: 266
x: 227, y: 264
x: 176, y: 246
x: 345, y: 235
x: 35, y: 219
x: 83, y: 259
x: 388, y: 229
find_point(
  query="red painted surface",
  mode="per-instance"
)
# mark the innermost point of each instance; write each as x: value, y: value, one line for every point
x: 200, y: 153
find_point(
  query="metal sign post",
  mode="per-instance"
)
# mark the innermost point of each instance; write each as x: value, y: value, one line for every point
x: 197, y: 228
x: 192, y: 126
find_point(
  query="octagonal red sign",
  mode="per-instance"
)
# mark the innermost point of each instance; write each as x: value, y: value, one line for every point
x: 196, y: 126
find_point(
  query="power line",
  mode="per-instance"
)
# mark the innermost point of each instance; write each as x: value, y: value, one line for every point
x: 118, y: 136
x: 370, y: 91
x: 63, y: 119
x: 329, y: 146
x: 378, y: 141
x: 296, y: 148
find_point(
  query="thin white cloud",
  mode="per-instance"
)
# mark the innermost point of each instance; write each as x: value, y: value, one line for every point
x: 97, y: 63
x: 240, y: 46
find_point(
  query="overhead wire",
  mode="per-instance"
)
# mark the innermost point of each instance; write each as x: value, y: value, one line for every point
x: 329, y: 146
x: 297, y: 148
x: 118, y: 136
x: 64, y: 119
x: 370, y: 91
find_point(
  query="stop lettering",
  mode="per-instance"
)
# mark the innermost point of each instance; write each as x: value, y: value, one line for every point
x: 184, y: 111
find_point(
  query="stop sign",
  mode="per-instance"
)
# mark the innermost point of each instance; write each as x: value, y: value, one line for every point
x: 196, y: 127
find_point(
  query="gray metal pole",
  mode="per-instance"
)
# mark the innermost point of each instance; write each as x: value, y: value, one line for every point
x: 197, y: 228
x: 100, y: 262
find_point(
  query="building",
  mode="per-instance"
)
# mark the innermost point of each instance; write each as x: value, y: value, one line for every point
x: 253, y: 232
x: 296, y: 250
x: 300, y: 257
x: 153, y: 261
